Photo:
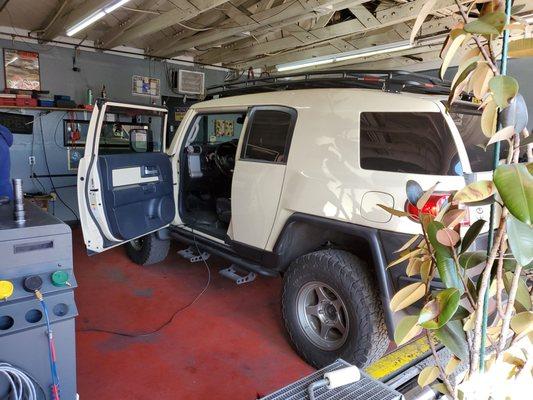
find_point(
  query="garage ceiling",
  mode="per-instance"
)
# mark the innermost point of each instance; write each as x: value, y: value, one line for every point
x: 249, y: 33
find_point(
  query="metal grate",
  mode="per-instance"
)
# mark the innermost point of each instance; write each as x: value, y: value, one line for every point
x: 365, y: 389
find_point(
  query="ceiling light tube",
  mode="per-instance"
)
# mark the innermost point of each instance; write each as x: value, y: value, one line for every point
x: 349, y: 55
x: 98, y: 14
x: 113, y: 7
x: 85, y: 23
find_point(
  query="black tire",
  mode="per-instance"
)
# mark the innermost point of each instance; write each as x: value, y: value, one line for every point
x: 147, y: 250
x: 365, y: 336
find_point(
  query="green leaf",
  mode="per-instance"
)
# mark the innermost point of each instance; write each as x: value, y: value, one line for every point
x: 406, y: 330
x: 471, y: 259
x: 428, y: 375
x: 445, y: 263
x: 520, y: 238
x: 453, y: 337
x: 407, y: 296
x: 440, y: 310
x: 474, y: 192
x: 503, y: 88
x: 461, y: 313
x: 459, y: 84
x: 522, y: 299
x: 489, y: 24
x: 471, y: 234
x: 515, y: 186
x: 521, y: 48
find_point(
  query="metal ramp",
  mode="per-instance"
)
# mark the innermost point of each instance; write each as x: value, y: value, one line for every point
x: 366, y: 388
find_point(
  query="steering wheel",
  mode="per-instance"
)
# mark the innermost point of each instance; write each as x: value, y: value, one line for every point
x: 224, y: 157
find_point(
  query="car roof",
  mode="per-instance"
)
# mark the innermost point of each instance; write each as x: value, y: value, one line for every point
x: 311, y: 96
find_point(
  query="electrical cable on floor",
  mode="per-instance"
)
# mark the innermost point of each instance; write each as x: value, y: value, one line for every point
x: 50, y: 175
x: 21, y: 384
x: 171, y: 319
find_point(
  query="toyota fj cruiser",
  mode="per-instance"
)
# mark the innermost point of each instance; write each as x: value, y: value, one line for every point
x: 285, y: 181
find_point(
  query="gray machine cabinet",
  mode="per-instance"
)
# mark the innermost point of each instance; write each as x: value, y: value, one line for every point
x: 40, y: 246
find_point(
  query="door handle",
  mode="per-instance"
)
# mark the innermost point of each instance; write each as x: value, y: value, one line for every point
x: 150, y: 171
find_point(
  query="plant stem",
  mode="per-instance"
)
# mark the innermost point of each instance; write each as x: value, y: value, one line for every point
x: 509, y: 310
x: 482, y: 289
x: 480, y: 46
x: 499, y: 285
x: 444, y: 378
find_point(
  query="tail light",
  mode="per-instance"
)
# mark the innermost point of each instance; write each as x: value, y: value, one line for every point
x: 435, y: 202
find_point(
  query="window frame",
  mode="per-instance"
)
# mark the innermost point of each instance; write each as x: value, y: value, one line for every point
x: 292, y: 112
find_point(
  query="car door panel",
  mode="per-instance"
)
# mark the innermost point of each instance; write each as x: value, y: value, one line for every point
x: 125, y: 194
x: 137, y: 192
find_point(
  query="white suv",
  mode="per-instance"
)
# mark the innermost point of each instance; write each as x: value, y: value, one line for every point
x: 287, y: 182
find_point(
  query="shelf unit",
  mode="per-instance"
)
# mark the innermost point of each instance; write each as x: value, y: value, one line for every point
x: 44, y: 108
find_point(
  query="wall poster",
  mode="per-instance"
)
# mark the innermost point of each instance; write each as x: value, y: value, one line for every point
x: 21, y: 69
x: 145, y: 86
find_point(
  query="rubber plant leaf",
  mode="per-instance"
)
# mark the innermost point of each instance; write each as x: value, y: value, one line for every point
x: 520, y: 238
x: 522, y: 299
x: 470, y: 259
x: 471, y: 234
x: 407, y: 296
x: 445, y: 262
x: 453, y: 337
x: 503, y: 89
x: 474, y: 192
x: 440, y: 310
x: 515, y: 186
x: 406, y: 330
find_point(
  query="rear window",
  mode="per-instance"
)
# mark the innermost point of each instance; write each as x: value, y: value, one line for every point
x: 408, y: 142
x: 468, y: 124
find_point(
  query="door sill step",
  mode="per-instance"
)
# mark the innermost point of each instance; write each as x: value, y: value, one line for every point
x: 237, y: 275
x: 191, y: 254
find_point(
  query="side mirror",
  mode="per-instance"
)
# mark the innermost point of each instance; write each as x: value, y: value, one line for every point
x: 140, y: 140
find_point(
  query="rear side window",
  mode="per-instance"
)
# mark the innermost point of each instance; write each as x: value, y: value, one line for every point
x: 409, y: 142
x: 269, y: 134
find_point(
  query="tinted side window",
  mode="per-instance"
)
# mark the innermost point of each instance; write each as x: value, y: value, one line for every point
x: 411, y: 142
x: 268, y: 135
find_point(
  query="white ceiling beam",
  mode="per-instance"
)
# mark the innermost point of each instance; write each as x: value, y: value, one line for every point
x: 186, y: 11
x: 389, y: 34
x: 282, y: 14
x: 388, y: 18
x: 112, y: 34
x: 69, y: 16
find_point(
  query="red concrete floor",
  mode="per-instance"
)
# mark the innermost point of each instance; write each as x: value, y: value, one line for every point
x: 229, y: 345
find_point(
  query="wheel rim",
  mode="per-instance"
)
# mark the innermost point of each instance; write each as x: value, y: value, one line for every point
x: 137, y: 244
x: 322, y: 315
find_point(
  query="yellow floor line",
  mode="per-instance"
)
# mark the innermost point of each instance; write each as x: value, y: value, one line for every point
x: 398, y: 358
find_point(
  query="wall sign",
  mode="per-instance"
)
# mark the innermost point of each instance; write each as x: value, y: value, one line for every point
x: 21, y: 69
x: 145, y: 86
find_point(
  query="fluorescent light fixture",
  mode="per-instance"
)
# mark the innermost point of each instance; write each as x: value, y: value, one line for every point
x: 113, y: 7
x: 348, y: 55
x: 95, y: 16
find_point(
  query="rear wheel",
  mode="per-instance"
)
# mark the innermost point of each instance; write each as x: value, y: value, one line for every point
x: 331, y: 309
x: 148, y: 249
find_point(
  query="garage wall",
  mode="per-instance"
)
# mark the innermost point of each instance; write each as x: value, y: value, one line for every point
x: 57, y: 76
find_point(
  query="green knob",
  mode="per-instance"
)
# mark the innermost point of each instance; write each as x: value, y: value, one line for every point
x: 60, y: 278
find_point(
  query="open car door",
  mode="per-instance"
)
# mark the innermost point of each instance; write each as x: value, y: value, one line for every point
x: 125, y: 187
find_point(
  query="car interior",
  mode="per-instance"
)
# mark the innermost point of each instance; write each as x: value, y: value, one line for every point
x: 206, y: 176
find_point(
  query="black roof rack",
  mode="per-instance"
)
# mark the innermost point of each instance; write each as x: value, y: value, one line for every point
x: 390, y: 81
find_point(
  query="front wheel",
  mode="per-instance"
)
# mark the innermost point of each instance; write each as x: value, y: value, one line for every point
x: 148, y: 249
x: 331, y: 309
